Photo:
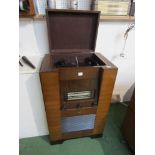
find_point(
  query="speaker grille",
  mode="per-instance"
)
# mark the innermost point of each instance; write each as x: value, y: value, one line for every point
x: 77, y: 123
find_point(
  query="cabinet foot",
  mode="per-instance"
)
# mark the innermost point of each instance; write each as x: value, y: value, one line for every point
x: 97, y: 136
x: 56, y: 142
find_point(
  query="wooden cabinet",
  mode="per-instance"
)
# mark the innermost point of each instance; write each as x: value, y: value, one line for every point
x: 77, y: 83
x: 51, y: 86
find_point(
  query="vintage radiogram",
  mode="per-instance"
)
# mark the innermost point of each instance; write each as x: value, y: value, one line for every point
x: 77, y: 83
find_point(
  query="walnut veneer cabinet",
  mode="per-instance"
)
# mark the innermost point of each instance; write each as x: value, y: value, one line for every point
x: 77, y: 83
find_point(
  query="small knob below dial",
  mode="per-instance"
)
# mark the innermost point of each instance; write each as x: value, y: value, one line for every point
x: 78, y: 106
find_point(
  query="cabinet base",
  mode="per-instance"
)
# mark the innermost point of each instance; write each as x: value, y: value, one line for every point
x: 56, y: 142
x: 97, y: 136
x: 61, y: 141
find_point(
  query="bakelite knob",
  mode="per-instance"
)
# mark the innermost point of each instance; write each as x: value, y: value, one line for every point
x: 78, y: 106
x: 92, y: 104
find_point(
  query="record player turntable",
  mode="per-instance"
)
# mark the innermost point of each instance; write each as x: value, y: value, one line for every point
x: 77, y: 83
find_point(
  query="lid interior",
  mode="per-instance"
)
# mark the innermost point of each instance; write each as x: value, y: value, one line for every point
x: 72, y: 29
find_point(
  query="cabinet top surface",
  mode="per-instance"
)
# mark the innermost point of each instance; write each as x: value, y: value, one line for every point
x: 47, y: 64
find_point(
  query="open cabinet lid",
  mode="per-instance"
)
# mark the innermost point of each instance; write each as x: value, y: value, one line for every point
x: 72, y: 29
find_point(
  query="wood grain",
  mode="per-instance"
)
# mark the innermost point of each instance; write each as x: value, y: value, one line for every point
x: 72, y: 73
x: 50, y: 89
x: 46, y: 64
x: 51, y: 84
x: 76, y: 112
x: 76, y: 134
x: 106, y: 89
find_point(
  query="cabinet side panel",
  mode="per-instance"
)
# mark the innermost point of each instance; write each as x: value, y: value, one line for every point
x: 51, y: 95
x: 106, y: 89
